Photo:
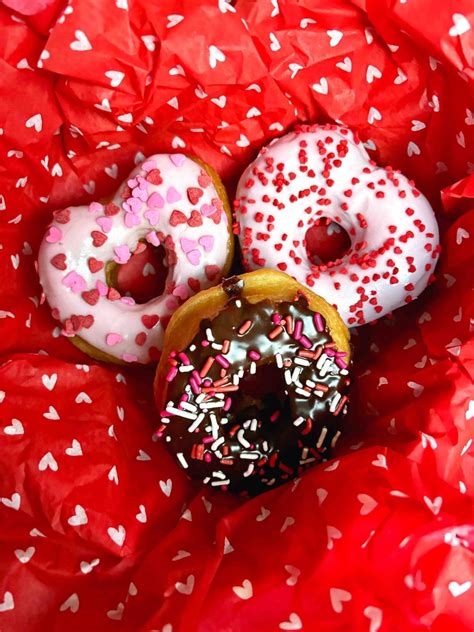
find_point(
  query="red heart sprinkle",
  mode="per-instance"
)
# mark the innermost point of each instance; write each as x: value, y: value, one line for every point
x: 194, y: 284
x: 195, y: 219
x: 177, y: 217
x: 95, y: 264
x: 194, y: 194
x: 98, y: 238
x: 113, y: 295
x: 59, y: 261
x: 62, y: 217
x: 204, y: 180
x: 91, y: 296
x: 140, y: 338
x: 154, y: 176
x: 111, y: 209
x: 150, y: 320
x: 212, y: 271
x: 88, y: 321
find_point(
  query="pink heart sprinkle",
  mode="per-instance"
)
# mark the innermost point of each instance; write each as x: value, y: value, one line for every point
x: 53, y: 235
x: 181, y: 291
x: 113, y: 339
x: 132, y: 182
x: 102, y: 287
x: 95, y: 207
x: 152, y: 216
x: 207, y: 209
x: 74, y: 282
x: 131, y: 220
x: 172, y: 195
x: 140, y: 193
x: 177, y: 159
x: 155, y: 200
x: 122, y: 253
x: 171, y: 303
x: 152, y: 238
x: 207, y: 242
x: 129, y: 357
x: 194, y: 257
x: 134, y: 204
x: 187, y: 244
x: 127, y: 300
x: 149, y: 165
x: 105, y: 223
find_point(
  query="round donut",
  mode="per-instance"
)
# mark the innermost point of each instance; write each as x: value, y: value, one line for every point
x: 169, y: 200
x: 324, y: 171
x: 252, y: 384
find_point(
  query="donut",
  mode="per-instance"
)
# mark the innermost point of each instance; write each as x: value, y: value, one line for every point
x: 169, y: 200
x: 252, y: 383
x: 324, y: 172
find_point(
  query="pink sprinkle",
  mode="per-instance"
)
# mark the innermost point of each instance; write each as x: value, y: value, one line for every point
x: 148, y: 165
x: 183, y: 398
x: 141, y: 194
x: 208, y: 440
x: 194, y: 386
x: 131, y: 220
x: 318, y: 321
x: 205, y: 343
x: 207, y: 242
x: 155, y: 200
x: 132, y: 183
x: 105, y: 223
x: 152, y: 238
x: 222, y: 361
x: 340, y: 363
x: 54, y: 235
x: 102, y: 287
x: 122, y: 254
x: 207, y: 209
x: 181, y: 291
x: 341, y: 354
x: 184, y: 358
x: 187, y: 244
x: 172, y: 195
x: 207, y: 456
x: 254, y: 355
x: 177, y: 159
x: 95, y: 207
x: 165, y: 413
x: 113, y: 339
x: 134, y: 204
x: 228, y: 404
x: 127, y: 300
x: 172, y: 373
x: 276, y: 319
x: 129, y: 357
x: 194, y: 257
x: 196, y: 376
x: 305, y: 342
x: 74, y: 282
x: 298, y: 329
x: 330, y: 353
x: 152, y: 216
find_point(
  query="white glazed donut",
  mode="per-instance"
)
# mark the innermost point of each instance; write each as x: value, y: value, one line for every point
x: 324, y: 171
x: 168, y: 200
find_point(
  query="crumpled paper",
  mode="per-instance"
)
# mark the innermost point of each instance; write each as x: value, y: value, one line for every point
x: 99, y: 528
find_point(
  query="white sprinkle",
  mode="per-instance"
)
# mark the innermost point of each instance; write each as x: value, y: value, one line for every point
x: 310, y: 383
x: 246, y: 424
x: 249, y: 455
x: 207, y: 479
x: 217, y: 443
x: 217, y: 346
x: 215, y: 426
x: 279, y: 360
x: 181, y: 413
x: 310, y: 460
x: 254, y: 425
x: 186, y: 368
x: 224, y: 482
x: 322, y: 359
x: 319, y: 393
x: 249, y: 470
x: 235, y: 379
x: 253, y: 368
x: 304, y: 453
x: 219, y: 396
x: 287, y: 375
x: 240, y: 373
x: 296, y: 375
x: 182, y: 460
x: 164, y: 420
x: 188, y: 406
x: 200, y: 398
x: 167, y: 439
x: 302, y: 361
x: 209, y: 334
x: 323, y: 434
x: 334, y: 402
x: 335, y: 438
x: 197, y: 423
x: 241, y: 438
x: 344, y: 372
x: 326, y: 367
x: 238, y: 303
x: 207, y: 405
x: 302, y: 392
x: 265, y: 446
x: 218, y: 474
x: 192, y: 347
x: 298, y: 421
x: 224, y: 421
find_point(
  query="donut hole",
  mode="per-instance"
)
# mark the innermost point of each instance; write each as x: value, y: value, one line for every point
x: 144, y: 275
x: 326, y: 241
x: 261, y: 395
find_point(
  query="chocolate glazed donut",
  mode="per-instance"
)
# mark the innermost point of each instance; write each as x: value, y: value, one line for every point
x: 260, y: 392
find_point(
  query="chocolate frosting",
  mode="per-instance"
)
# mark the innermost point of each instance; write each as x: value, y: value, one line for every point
x: 278, y: 404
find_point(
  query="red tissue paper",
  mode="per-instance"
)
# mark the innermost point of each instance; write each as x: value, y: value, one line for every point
x: 99, y: 528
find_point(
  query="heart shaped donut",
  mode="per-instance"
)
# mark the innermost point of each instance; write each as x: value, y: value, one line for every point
x: 324, y: 171
x: 169, y: 200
